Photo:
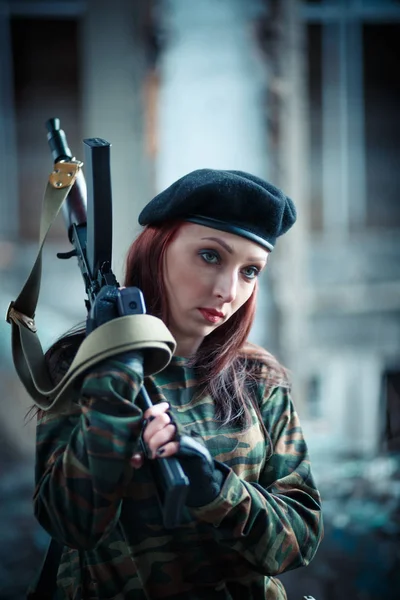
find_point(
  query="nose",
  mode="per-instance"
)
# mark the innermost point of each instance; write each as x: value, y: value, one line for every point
x: 226, y: 286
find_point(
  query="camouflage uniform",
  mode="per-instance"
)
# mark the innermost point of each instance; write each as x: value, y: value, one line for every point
x: 266, y: 519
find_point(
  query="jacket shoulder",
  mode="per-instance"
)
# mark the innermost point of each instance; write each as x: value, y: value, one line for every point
x: 265, y: 366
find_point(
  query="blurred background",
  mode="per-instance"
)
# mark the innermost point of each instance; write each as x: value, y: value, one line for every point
x: 303, y: 93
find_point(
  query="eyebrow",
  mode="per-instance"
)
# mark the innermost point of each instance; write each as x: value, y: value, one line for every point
x: 229, y: 248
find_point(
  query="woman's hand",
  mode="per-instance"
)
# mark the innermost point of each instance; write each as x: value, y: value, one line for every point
x: 158, y: 435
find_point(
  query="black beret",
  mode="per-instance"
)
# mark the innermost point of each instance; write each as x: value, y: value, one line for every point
x: 232, y: 201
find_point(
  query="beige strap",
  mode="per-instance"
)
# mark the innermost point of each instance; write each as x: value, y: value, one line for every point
x: 121, y: 335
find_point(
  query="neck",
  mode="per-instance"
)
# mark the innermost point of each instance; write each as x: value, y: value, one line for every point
x: 186, y: 347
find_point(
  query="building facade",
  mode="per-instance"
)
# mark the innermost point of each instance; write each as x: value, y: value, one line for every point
x: 333, y: 118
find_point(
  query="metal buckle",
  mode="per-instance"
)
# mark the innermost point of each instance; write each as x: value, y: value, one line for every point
x: 65, y: 173
x: 18, y: 317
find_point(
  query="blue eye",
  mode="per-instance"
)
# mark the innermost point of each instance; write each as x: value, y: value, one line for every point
x: 210, y: 256
x: 251, y: 272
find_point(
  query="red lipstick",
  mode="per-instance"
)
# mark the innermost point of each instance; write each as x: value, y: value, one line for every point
x: 211, y: 315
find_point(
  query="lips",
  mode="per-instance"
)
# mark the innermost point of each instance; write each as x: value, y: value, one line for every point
x: 211, y: 315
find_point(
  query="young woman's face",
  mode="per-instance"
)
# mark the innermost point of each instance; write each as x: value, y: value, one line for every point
x: 209, y: 274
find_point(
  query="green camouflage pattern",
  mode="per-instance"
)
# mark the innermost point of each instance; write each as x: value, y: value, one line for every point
x: 265, y: 521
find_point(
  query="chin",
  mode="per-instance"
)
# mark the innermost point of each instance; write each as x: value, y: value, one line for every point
x: 208, y: 330
x: 201, y: 332
x: 194, y: 329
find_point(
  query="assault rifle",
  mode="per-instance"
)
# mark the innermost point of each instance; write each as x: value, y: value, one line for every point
x: 88, y: 217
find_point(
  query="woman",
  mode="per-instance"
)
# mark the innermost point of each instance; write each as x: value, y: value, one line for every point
x: 253, y: 510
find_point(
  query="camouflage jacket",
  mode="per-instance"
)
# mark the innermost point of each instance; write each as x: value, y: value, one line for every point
x: 266, y: 519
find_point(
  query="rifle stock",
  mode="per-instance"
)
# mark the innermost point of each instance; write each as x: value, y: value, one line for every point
x: 88, y: 218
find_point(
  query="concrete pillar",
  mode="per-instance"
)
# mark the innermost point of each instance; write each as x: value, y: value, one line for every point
x: 343, y: 144
x: 211, y: 111
x: 212, y: 84
x: 289, y: 267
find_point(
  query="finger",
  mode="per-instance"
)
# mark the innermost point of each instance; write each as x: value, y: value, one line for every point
x: 165, y: 435
x: 167, y: 450
x: 137, y: 460
x: 155, y: 410
x: 157, y: 424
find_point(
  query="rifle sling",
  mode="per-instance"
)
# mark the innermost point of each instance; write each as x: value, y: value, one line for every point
x: 132, y: 332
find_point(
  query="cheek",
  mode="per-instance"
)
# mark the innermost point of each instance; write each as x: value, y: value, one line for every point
x: 180, y: 280
x: 244, y: 293
x: 181, y: 284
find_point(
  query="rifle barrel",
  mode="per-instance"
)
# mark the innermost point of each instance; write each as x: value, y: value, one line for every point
x: 74, y: 207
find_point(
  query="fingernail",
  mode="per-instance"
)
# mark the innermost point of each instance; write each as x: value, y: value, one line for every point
x: 160, y: 451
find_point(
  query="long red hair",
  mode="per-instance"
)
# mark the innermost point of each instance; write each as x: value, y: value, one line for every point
x: 220, y: 361
x: 226, y: 364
